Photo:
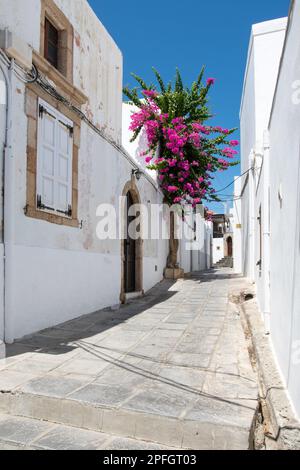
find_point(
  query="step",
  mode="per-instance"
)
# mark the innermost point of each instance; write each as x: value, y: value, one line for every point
x: 133, y: 295
x: 204, y: 426
x: 171, y: 367
x: 18, y: 433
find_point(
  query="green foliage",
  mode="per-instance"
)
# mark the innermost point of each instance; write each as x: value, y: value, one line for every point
x: 159, y: 80
x: 140, y: 81
x: 162, y: 103
x: 175, y: 100
x: 132, y: 95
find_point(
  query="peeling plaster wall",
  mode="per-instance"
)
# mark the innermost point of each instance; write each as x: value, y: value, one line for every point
x: 62, y: 272
x: 98, y: 67
x: 23, y: 18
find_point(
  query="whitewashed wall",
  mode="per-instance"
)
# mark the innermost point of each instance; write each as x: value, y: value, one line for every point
x: 264, y: 54
x: 218, y: 249
x: 97, y: 59
x: 2, y: 138
x: 273, y: 102
x: 237, y: 228
x: 62, y: 272
x: 285, y: 215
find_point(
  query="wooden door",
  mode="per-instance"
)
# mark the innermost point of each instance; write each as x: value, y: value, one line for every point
x: 130, y: 251
x: 229, y: 246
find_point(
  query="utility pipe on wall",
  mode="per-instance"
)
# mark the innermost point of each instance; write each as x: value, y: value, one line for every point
x: 9, y: 207
x: 251, y: 255
x: 266, y: 231
x: 3, y: 124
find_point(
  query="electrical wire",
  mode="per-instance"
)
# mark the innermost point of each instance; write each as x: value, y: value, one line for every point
x: 34, y: 76
x: 224, y: 200
x: 230, y: 184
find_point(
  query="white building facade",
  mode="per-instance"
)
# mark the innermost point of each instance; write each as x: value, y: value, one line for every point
x: 61, y: 137
x: 269, y: 253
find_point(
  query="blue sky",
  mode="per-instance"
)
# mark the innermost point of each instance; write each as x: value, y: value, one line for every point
x: 166, y: 34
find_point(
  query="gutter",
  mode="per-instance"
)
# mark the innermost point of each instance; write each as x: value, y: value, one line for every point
x: 8, y: 205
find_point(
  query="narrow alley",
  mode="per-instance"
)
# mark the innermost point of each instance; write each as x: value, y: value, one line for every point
x: 168, y: 370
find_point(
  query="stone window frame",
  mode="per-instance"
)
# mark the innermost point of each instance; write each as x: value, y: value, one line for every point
x: 33, y: 93
x: 51, y: 11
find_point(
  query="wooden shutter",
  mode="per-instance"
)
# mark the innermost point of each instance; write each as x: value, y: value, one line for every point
x: 54, y: 161
x: 64, y: 167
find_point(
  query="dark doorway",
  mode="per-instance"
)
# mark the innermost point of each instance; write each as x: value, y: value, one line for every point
x: 229, y: 247
x: 130, y: 251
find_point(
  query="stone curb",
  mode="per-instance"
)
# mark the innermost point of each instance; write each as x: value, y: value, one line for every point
x: 186, y: 434
x: 281, y: 426
x: 2, y: 350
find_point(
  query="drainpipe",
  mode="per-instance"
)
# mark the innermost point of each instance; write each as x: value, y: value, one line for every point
x: 266, y: 231
x: 4, y: 124
x: 9, y: 208
x: 251, y: 273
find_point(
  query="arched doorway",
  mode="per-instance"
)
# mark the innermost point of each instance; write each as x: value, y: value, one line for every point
x: 131, y: 248
x: 229, y: 247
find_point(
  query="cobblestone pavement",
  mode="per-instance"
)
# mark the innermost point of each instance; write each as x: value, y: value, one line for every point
x: 171, y: 368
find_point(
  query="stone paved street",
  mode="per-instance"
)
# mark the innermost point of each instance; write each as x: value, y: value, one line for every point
x: 170, y: 369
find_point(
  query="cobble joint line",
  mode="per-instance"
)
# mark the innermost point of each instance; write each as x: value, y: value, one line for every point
x: 168, y: 370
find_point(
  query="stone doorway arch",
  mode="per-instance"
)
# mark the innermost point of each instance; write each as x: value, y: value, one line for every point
x: 131, y: 250
x: 229, y: 247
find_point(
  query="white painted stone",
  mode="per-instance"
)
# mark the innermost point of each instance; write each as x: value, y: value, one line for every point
x: 59, y: 272
x: 218, y: 249
x: 270, y: 140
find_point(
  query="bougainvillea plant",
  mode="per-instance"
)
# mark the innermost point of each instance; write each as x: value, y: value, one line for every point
x: 182, y: 148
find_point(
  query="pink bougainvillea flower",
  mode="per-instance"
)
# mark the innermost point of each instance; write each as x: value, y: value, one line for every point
x: 172, y: 163
x: 180, y: 148
x: 223, y: 162
x: 229, y: 152
x: 177, y: 200
x: 210, y: 81
x: 172, y: 189
x: 150, y: 93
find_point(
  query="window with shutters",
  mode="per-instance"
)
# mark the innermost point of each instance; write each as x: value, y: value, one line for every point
x: 54, y: 161
x: 56, y: 40
x: 51, y: 43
